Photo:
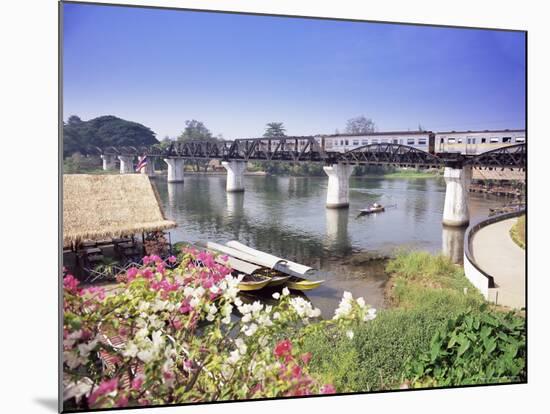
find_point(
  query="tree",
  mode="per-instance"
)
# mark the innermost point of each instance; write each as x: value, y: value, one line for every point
x: 104, y: 131
x: 74, y: 120
x: 274, y: 130
x: 360, y: 125
x: 197, y: 131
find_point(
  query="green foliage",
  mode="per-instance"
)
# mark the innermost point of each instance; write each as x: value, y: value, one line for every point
x: 517, y: 232
x: 103, y: 131
x: 274, y: 130
x: 473, y: 348
x: 422, y: 280
x: 375, y: 357
x: 360, y: 125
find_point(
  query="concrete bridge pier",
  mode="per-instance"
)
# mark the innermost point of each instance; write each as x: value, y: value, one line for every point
x: 126, y: 164
x: 455, y: 212
x: 338, y: 185
x: 235, y: 175
x: 108, y: 162
x: 149, y: 168
x: 175, y: 169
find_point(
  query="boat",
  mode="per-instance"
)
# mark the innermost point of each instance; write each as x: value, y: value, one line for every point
x: 253, y: 282
x: 375, y: 208
x: 298, y: 283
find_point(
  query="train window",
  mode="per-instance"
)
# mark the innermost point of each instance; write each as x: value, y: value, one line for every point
x: 341, y: 142
x: 365, y: 142
x: 355, y: 142
x: 483, y: 140
x: 442, y: 140
x: 410, y: 141
x: 506, y: 139
x: 395, y: 141
x: 422, y: 141
x: 347, y: 142
x: 473, y: 140
x: 375, y: 141
x: 459, y: 140
x: 451, y: 140
x: 494, y: 140
x: 520, y: 139
x: 401, y: 141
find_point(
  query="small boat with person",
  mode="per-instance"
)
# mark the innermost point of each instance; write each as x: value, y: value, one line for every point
x: 374, y: 208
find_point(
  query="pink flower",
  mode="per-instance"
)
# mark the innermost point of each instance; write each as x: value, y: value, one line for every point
x: 122, y: 401
x: 137, y: 383
x: 70, y: 283
x: 172, y: 259
x: 296, y: 371
x: 105, y: 387
x: 306, y: 357
x: 328, y: 389
x: 177, y: 324
x: 283, y: 348
x: 131, y: 273
x: 147, y: 274
x: 146, y: 260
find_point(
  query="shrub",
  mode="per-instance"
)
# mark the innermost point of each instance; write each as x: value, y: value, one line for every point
x: 167, y: 336
x: 375, y: 357
x: 473, y: 348
x: 421, y: 280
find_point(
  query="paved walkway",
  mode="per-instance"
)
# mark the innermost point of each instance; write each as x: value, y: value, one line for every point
x: 496, y: 254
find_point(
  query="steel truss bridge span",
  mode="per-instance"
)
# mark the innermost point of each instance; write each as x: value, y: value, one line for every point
x: 308, y: 149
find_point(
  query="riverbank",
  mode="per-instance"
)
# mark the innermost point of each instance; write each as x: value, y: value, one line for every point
x: 429, y: 297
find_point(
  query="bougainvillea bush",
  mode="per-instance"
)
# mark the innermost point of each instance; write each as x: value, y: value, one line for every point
x: 171, y: 336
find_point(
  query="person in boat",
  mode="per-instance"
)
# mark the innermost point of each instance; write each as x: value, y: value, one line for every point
x: 376, y: 205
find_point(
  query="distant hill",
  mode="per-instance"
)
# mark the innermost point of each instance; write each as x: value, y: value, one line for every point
x: 103, y: 131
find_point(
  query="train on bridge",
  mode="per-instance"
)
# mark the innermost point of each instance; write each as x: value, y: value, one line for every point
x: 464, y: 142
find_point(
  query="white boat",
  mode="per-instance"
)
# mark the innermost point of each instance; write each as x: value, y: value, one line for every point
x: 282, y: 265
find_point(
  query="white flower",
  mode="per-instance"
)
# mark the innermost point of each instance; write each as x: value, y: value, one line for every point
x: 214, y: 289
x: 158, y: 340
x: 85, y: 349
x: 199, y: 292
x: 251, y: 329
x: 257, y: 306
x: 286, y: 292
x: 276, y: 315
x: 371, y: 314
x: 361, y: 302
x: 276, y: 295
x: 194, y: 302
x: 143, y: 306
x: 159, y: 305
x: 263, y: 341
x: 212, y: 309
x: 241, y: 346
x: 234, y: 357
x: 146, y: 355
x: 348, y: 295
x: 226, y: 320
x: 210, y: 317
x: 130, y: 350
x: 238, y: 302
x: 246, y: 318
x: 349, y: 334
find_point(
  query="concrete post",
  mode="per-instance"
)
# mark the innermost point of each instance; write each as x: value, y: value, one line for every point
x: 175, y: 169
x: 338, y: 185
x: 126, y: 164
x: 452, y: 243
x: 149, y: 168
x: 455, y: 212
x: 108, y: 162
x: 235, y: 174
x: 337, y: 229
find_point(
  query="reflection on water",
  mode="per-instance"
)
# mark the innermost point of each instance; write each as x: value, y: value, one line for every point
x: 286, y: 216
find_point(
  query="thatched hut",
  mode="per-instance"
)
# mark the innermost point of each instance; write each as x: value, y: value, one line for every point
x: 105, y: 206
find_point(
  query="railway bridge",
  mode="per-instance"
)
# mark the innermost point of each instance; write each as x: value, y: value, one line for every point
x: 337, y: 165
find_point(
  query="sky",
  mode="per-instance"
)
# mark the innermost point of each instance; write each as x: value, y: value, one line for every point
x: 236, y: 72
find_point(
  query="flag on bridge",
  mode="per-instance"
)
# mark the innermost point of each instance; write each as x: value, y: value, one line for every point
x: 142, y: 163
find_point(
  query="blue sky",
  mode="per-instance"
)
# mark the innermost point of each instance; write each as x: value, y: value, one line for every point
x: 237, y: 72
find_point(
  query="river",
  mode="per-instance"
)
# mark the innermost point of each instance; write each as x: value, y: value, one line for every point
x: 286, y: 216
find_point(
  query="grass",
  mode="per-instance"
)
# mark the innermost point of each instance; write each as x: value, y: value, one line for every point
x: 425, y: 291
x: 411, y: 174
x: 517, y: 232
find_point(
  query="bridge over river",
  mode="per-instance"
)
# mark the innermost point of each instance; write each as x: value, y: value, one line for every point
x: 235, y: 154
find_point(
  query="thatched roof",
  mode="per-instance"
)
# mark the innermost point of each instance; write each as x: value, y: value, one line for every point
x: 103, y: 206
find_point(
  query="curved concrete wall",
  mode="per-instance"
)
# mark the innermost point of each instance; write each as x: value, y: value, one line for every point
x: 480, y: 279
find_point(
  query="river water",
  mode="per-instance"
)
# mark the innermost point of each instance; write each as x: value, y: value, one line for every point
x: 286, y: 216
